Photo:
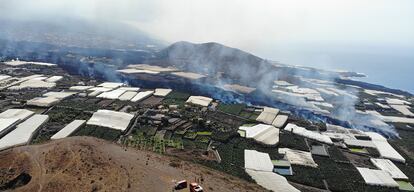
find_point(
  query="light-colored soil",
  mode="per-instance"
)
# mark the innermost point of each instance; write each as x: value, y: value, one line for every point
x: 90, y: 164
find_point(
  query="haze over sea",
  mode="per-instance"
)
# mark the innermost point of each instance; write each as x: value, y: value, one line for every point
x: 388, y: 66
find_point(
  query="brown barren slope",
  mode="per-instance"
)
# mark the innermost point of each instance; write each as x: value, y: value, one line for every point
x: 90, y: 164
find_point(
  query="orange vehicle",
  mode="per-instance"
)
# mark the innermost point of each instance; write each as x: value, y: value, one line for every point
x: 195, y: 187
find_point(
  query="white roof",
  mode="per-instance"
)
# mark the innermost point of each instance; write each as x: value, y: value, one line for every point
x: 301, y: 90
x: 18, y: 62
x: 384, y: 148
x: 23, y: 132
x: 189, y: 75
x: 130, y: 88
x: 142, y: 95
x: 397, y: 119
x: 271, y: 110
x: 239, y: 88
x: 162, y: 92
x: 31, y: 77
x: 257, y: 161
x: 68, y: 129
x: 112, y: 94
x: 322, y: 104
x: 41, y: 78
x: 199, y: 100
x: 133, y: 71
x: 390, y: 167
x: 6, y: 123
x: 283, y: 83
x: 397, y: 101
x: 111, y: 85
x: 20, y: 114
x: 339, y: 136
x: 111, y: 119
x: 128, y: 95
x: 404, y: 109
x: 49, y: 98
x: 43, y: 101
x: 59, y: 95
x: 152, y: 67
x: 271, y: 181
x: 309, y: 134
x: 298, y: 157
x: 80, y: 88
x: 54, y: 79
x: 102, y: 89
x: 377, y: 177
x: 375, y: 93
x: 4, y: 77
x: 262, y: 133
x: 33, y: 83
x: 98, y: 90
x: 359, y: 143
x: 268, y: 115
x: 314, y: 97
x: 383, y: 106
x: 280, y: 120
x: 327, y: 92
x: 337, y: 129
x: 94, y: 93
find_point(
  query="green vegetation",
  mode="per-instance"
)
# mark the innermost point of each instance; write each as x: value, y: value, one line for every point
x: 248, y: 125
x: 203, y: 139
x: 224, y: 136
x: 405, y: 186
x: 344, y: 177
x: 191, y: 144
x: 176, y: 98
x: 190, y: 135
x: 336, y: 154
x: 290, y: 140
x: 232, y: 155
x: 83, y: 105
x: 307, y: 176
x: 180, y: 132
x: 204, y: 133
x: 233, y: 109
x: 146, y: 130
x: 99, y: 132
x: 405, y: 146
x: 178, y: 102
x: 359, y: 150
x: 178, y: 95
x: 254, y: 116
x: 141, y: 142
x: 245, y: 114
x: 59, y: 117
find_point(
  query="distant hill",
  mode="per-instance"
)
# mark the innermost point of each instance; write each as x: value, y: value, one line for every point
x: 215, y: 59
x: 69, y: 32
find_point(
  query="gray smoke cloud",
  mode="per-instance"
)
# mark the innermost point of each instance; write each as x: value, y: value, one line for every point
x: 257, y: 26
x: 232, y: 66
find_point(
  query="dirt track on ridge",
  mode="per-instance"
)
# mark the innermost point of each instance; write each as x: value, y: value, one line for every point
x: 90, y: 164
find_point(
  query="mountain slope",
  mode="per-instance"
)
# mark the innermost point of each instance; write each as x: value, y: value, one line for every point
x: 213, y: 59
x: 90, y: 164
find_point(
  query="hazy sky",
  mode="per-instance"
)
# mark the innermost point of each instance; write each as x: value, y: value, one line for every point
x: 254, y: 25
